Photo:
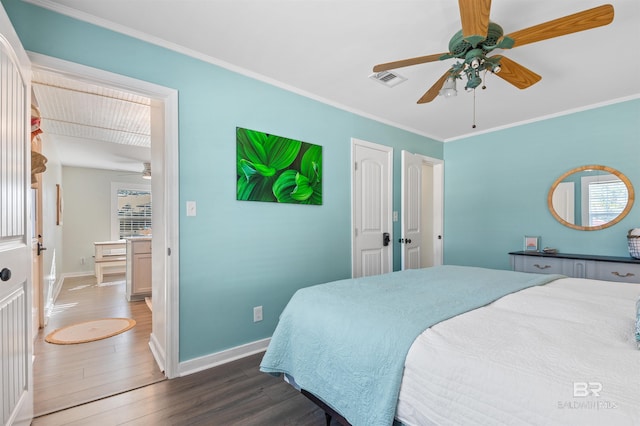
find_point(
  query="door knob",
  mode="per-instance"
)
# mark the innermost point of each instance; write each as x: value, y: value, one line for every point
x: 40, y: 248
x: 386, y: 238
x: 5, y: 274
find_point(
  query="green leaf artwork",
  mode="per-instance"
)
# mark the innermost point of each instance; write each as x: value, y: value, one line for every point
x: 276, y: 169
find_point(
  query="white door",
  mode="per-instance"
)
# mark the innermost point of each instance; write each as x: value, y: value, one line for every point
x: 16, y: 344
x: 371, y: 207
x: 422, y: 207
x: 411, y: 223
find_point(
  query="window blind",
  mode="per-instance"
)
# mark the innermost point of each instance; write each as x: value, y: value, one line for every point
x: 134, y: 213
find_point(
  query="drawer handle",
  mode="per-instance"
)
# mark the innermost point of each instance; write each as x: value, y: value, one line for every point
x: 618, y: 274
x: 541, y: 267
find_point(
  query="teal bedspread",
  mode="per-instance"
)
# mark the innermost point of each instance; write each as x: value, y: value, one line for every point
x: 346, y: 341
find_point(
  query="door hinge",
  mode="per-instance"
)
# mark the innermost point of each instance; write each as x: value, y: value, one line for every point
x: 168, y: 251
x: 355, y: 166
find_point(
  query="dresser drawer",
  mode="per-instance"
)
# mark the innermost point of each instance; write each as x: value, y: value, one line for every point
x: 620, y: 272
x: 542, y: 265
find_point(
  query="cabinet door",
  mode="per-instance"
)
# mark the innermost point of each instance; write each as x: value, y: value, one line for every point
x: 141, y: 283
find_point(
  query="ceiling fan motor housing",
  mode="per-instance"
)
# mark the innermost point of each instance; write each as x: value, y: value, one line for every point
x: 475, y: 59
x: 459, y: 47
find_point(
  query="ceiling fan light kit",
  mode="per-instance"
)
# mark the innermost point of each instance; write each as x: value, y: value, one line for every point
x: 479, y: 37
x: 449, y: 88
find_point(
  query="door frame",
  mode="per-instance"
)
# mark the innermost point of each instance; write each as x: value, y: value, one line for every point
x: 389, y: 225
x: 438, y: 209
x: 164, y: 339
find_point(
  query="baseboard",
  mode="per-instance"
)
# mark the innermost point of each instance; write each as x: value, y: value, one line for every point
x: 77, y: 274
x: 198, y: 364
x: 158, y: 352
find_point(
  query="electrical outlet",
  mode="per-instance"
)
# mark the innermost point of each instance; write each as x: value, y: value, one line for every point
x: 257, y: 313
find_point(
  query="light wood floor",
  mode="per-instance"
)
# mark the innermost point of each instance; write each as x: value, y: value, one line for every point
x: 69, y: 375
x: 83, y: 376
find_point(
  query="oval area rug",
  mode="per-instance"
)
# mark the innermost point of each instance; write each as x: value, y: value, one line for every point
x: 90, y: 331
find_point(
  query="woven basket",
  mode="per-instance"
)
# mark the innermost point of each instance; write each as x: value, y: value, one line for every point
x: 634, y: 245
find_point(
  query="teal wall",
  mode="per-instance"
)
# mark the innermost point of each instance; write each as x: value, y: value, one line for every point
x: 234, y: 255
x: 496, y: 184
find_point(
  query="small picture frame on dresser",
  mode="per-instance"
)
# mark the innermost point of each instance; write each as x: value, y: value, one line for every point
x: 531, y: 243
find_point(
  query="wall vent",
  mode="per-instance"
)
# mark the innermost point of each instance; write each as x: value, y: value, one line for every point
x: 388, y: 78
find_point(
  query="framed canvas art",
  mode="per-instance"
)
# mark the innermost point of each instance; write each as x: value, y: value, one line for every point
x: 277, y: 169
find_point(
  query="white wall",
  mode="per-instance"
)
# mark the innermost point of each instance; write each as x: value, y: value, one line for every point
x: 87, y: 213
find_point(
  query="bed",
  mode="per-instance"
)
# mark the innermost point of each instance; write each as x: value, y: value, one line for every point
x: 463, y: 345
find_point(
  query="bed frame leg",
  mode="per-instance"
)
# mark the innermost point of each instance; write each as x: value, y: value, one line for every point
x: 329, y: 412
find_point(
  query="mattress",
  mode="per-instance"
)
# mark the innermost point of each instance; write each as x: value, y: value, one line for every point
x: 563, y: 353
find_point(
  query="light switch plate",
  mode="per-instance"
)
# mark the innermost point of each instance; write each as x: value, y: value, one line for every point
x: 191, y: 208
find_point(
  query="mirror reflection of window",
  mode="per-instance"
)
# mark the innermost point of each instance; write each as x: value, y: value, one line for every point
x: 604, y: 198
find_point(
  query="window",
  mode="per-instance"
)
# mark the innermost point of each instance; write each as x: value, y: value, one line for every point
x: 607, y: 197
x: 131, y: 204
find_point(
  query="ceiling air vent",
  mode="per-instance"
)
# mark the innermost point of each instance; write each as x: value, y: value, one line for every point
x: 387, y: 78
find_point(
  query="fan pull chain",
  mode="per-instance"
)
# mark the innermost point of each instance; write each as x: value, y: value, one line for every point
x: 474, y: 109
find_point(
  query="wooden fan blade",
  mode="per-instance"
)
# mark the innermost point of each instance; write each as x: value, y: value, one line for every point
x: 474, y: 15
x: 434, y: 90
x: 408, y: 62
x: 516, y: 74
x: 581, y: 21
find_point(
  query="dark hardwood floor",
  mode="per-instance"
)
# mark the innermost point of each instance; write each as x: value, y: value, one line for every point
x: 69, y: 375
x: 236, y: 393
x: 115, y: 381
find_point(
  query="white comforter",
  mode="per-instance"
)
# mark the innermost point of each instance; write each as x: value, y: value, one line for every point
x: 559, y: 354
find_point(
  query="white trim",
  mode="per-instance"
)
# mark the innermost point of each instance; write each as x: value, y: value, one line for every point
x: 544, y: 117
x: 169, y: 98
x: 171, y: 207
x: 223, y: 357
x: 75, y: 274
x: 157, y: 351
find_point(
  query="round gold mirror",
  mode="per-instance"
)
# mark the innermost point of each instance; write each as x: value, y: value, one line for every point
x: 591, y: 197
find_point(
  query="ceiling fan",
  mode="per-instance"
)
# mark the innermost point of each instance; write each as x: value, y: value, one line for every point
x: 144, y: 174
x: 479, y: 37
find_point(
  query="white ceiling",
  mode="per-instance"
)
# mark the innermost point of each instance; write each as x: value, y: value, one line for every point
x: 326, y: 49
x: 93, y: 126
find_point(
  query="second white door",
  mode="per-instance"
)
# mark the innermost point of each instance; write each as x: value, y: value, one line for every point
x: 422, y: 205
